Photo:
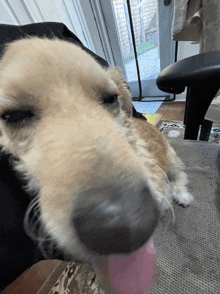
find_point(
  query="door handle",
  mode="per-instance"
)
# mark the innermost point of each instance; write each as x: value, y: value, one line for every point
x: 167, y: 2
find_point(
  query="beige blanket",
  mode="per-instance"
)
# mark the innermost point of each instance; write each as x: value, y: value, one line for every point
x: 197, y: 21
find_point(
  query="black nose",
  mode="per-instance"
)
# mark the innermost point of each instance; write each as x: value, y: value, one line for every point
x: 116, y: 223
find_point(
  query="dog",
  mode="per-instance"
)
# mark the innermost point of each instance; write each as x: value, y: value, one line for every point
x: 100, y: 179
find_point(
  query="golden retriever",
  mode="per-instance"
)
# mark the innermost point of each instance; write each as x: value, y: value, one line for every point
x: 100, y: 179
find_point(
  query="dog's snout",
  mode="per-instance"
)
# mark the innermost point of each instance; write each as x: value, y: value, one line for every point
x: 117, y: 224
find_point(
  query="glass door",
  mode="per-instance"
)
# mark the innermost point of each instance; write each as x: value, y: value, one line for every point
x: 145, y: 24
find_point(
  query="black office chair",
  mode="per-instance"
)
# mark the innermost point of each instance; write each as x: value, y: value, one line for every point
x: 201, y: 75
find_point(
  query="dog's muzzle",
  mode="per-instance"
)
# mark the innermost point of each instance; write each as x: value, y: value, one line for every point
x: 110, y: 221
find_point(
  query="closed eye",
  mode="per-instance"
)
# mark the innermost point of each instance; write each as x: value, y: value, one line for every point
x: 111, y: 99
x: 16, y: 116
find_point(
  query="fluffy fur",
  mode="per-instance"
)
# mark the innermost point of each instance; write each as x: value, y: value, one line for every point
x: 73, y: 141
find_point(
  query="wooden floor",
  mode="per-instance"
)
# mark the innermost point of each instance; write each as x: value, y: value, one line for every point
x: 175, y: 111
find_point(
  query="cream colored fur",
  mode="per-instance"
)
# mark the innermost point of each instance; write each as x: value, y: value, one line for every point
x: 73, y: 141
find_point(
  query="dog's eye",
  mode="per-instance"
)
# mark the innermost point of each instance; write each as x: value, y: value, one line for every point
x: 110, y: 99
x: 17, y: 116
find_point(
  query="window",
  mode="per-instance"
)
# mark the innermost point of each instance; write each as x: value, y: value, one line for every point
x: 151, y: 21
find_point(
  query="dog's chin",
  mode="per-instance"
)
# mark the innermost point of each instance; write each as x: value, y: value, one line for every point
x: 63, y: 256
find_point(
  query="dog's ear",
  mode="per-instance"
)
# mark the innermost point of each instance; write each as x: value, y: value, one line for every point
x: 125, y: 95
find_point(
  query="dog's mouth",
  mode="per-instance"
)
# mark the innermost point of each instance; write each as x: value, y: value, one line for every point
x: 127, y: 233
x: 50, y: 249
x: 36, y: 231
x: 13, y: 160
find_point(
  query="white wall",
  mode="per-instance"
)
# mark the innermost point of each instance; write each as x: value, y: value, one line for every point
x: 187, y: 49
x: 21, y: 12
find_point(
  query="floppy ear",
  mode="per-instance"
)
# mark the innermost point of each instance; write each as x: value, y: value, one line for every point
x: 125, y: 95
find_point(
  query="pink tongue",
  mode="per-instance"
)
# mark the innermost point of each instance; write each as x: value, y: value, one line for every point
x: 133, y: 274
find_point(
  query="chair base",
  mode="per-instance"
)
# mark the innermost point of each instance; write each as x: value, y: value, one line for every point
x: 205, y: 130
x: 191, y: 133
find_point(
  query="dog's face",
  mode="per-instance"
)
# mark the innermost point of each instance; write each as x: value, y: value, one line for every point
x: 68, y: 120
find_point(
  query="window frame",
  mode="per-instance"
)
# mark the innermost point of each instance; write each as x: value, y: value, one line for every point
x: 107, y: 36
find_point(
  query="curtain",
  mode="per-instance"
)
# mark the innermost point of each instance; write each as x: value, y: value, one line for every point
x: 197, y: 21
x: 22, y: 12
